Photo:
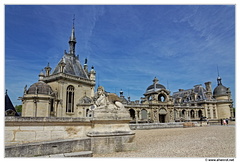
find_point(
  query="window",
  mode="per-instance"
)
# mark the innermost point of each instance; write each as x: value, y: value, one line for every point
x: 70, y: 99
x: 183, y: 113
x: 51, y: 106
x: 209, y: 114
x: 192, y: 114
x: 161, y: 98
x: 144, y: 114
x: 200, y: 113
x: 214, y: 113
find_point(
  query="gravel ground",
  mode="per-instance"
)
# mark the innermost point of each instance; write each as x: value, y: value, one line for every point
x: 211, y: 141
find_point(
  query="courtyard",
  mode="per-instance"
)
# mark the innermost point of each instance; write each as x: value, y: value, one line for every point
x: 211, y: 141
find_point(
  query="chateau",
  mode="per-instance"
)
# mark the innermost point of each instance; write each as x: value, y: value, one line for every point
x: 69, y: 92
x: 63, y: 116
x: 158, y: 105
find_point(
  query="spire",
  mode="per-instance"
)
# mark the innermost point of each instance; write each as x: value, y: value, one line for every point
x: 219, y: 79
x: 72, y: 40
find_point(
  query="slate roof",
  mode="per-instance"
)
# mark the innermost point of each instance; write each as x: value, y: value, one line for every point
x: 72, y: 67
x: 220, y: 90
x: 201, y: 93
x: 40, y: 88
x: 9, y: 105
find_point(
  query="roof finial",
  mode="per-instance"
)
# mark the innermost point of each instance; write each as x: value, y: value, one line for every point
x: 73, y: 19
x: 6, y: 92
x: 219, y: 79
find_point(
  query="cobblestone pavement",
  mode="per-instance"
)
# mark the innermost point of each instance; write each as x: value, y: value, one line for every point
x: 211, y: 141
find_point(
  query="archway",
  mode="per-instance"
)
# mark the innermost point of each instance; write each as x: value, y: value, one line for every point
x: 144, y: 114
x: 183, y: 113
x: 162, y: 115
x: 132, y: 114
x: 192, y: 114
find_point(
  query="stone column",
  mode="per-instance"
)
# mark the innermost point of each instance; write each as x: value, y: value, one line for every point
x: 136, y: 116
x: 140, y: 114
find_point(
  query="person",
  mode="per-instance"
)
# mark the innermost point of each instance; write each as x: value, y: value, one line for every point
x: 221, y: 121
x: 227, y: 121
x: 224, y: 122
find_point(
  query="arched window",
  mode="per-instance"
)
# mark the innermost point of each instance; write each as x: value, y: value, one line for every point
x: 150, y: 98
x: 200, y: 113
x: 70, y: 99
x: 144, y: 114
x: 183, y: 113
x: 192, y: 114
x: 161, y: 98
x: 87, y: 111
x: 51, y: 107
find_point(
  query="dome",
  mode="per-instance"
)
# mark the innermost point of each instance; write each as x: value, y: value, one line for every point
x: 40, y: 88
x: 155, y: 86
x: 220, y: 90
x: 158, y: 86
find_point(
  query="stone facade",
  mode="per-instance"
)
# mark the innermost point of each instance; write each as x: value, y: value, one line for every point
x: 158, y: 106
x: 66, y: 92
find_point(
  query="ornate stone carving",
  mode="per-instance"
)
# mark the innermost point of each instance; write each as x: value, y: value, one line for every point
x: 107, y: 101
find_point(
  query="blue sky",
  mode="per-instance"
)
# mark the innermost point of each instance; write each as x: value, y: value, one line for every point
x: 128, y: 45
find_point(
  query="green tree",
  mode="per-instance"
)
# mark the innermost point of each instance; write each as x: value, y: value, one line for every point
x: 18, y: 108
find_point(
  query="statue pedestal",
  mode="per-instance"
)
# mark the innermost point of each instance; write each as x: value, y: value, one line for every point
x: 111, y: 132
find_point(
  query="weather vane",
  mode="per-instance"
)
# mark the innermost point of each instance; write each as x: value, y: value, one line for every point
x: 73, y: 19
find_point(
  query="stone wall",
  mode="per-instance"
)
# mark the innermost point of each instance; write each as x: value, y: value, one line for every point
x: 48, y: 148
x: 30, y: 136
x: 19, y: 130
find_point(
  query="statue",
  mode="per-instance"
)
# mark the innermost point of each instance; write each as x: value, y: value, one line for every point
x: 108, y: 101
x: 100, y: 98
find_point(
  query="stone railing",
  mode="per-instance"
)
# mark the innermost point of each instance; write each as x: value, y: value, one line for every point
x: 156, y: 125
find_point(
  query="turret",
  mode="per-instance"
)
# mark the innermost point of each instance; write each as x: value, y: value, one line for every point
x: 48, y: 70
x: 41, y: 76
x: 62, y: 65
x: 92, y: 74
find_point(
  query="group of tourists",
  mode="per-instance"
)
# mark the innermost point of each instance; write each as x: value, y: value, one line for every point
x: 224, y: 121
